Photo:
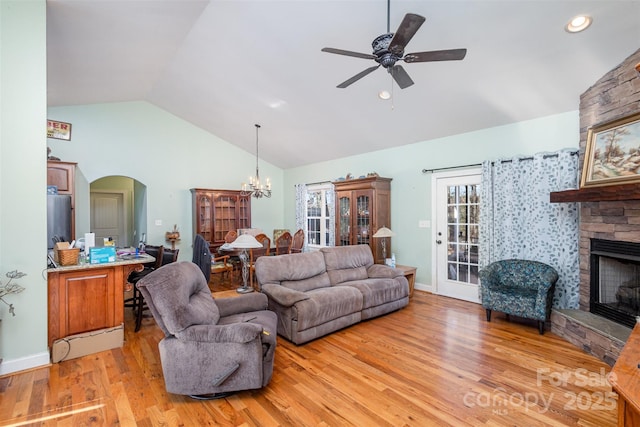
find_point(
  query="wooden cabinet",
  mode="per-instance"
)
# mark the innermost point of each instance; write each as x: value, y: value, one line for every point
x: 216, y: 212
x: 62, y: 175
x: 362, y: 207
x: 87, y: 297
x: 625, y: 380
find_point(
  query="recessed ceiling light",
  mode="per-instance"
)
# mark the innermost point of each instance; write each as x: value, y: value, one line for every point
x: 383, y: 94
x: 579, y: 23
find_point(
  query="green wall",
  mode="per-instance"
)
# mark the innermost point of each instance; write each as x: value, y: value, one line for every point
x: 23, y: 229
x: 411, y: 189
x: 166, y: 154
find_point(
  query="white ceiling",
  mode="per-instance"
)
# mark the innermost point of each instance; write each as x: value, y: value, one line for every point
x: 226, y: 65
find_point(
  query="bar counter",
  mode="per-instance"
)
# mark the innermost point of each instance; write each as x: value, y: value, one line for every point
x: 88, y: 297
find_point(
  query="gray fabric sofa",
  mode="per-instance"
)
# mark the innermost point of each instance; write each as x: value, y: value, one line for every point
x: 316, y: 293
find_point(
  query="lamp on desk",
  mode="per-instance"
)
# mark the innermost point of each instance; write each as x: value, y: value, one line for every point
x: 383, y: 233
x: 244, y: 242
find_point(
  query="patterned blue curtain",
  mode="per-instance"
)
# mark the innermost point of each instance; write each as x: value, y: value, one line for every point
x: 301, y: 211
x: 331, y: 206
x: 518, y: 221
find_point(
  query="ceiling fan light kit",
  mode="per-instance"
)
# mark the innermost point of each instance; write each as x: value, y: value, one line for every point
x: 384, y: 94
x: 388, y: 50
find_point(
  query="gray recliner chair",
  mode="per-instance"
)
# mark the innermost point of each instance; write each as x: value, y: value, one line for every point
x: 212, y: 347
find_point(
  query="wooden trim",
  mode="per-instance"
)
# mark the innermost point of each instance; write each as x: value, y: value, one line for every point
x: 597, y: 194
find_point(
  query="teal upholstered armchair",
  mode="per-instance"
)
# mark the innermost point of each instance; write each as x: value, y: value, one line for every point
x: 520, y: 288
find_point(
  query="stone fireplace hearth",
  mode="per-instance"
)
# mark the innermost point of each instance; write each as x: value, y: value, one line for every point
x: 604, y: 338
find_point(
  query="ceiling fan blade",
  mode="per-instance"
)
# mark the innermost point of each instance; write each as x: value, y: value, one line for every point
x: 400, y: 76
x: 358, y: 77
x: 436, y: 55
x: 348, y: 53
x: 407, y: 29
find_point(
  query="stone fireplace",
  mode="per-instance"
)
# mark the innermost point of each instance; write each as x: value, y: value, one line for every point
x: 609, y: 214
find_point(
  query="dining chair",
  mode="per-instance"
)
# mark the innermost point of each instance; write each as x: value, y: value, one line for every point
x: 135, y: 276
x: 283, y: 243
x: 254, y: 254
x: 221, y: 266
x: 167, y: 256
x: 230, y: 236
x: 297, y: 244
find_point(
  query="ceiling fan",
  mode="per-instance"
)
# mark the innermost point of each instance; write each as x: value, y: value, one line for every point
x: 388, y: 49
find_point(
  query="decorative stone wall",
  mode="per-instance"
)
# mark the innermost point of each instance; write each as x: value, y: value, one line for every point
x: 615, y: 95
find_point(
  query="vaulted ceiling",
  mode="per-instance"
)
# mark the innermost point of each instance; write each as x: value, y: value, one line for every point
x: 226, y: 65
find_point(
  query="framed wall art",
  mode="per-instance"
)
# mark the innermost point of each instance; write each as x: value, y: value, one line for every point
x: 612, y: 153
x: 58, y: 130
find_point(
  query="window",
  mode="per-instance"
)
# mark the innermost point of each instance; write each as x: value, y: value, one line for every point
x: 318, y: 215
x: 463, y: 217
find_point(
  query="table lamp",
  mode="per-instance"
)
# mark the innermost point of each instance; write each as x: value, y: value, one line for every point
x: 244, y: 242
x: 384, y: 232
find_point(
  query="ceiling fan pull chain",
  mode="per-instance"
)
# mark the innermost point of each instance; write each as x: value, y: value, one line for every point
x: 393, y: 98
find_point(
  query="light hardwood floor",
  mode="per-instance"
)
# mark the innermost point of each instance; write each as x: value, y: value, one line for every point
x: 436, y: 362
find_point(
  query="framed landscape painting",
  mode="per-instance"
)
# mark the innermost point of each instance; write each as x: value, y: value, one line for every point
x: 612, y: 154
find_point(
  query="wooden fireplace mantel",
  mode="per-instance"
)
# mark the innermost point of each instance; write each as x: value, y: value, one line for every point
x: 597, y: 194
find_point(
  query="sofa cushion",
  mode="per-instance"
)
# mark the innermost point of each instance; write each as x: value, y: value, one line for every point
x: 347, y: 263
x: 301, y: 272
x: 327, y: 304
x: 380, y: 291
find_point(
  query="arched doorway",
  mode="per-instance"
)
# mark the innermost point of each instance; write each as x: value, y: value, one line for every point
x: 118, y: 210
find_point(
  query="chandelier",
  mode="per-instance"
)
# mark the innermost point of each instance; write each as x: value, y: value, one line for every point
x: 255, y: 188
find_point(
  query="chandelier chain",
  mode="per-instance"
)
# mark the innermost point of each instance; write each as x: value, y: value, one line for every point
x: 255, y: 188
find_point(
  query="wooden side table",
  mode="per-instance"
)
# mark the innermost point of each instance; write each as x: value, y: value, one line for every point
x: 410, y: 274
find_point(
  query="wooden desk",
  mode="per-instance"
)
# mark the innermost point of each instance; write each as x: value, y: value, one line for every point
x: 625, y: 380
x: 88, y: 297
x: 410, y: 274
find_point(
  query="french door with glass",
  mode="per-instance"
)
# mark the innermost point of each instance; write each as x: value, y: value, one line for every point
x: 456, y: 232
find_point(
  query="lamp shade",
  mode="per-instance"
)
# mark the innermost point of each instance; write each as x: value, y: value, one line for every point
x: 384, y: 232
x: 245, y: 241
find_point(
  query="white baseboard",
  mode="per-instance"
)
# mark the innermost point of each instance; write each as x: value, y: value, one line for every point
x: 424, y: 287
x: 24, y: 363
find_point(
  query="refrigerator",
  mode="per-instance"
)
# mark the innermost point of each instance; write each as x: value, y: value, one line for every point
x: 58, y: 218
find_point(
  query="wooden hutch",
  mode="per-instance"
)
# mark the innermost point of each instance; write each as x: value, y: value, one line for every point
x: 363, y: 206
x: 216, y: 212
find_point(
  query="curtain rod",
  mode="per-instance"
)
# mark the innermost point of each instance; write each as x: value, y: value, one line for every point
x: 315, y: 183
x: 450, y: 167
x: 546, y: 156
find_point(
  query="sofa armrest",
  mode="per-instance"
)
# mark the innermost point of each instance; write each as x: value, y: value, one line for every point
x: 254, y: 301
x: 284, y: 296
x: 232, y: 333
x: 381, y: 271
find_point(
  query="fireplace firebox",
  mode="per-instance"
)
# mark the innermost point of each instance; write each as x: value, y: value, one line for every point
x: 615, y: 280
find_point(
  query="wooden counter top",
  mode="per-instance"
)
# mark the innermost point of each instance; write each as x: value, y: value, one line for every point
x: 127, y: 260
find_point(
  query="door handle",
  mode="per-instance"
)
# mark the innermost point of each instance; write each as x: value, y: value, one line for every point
x: 439, y: 242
